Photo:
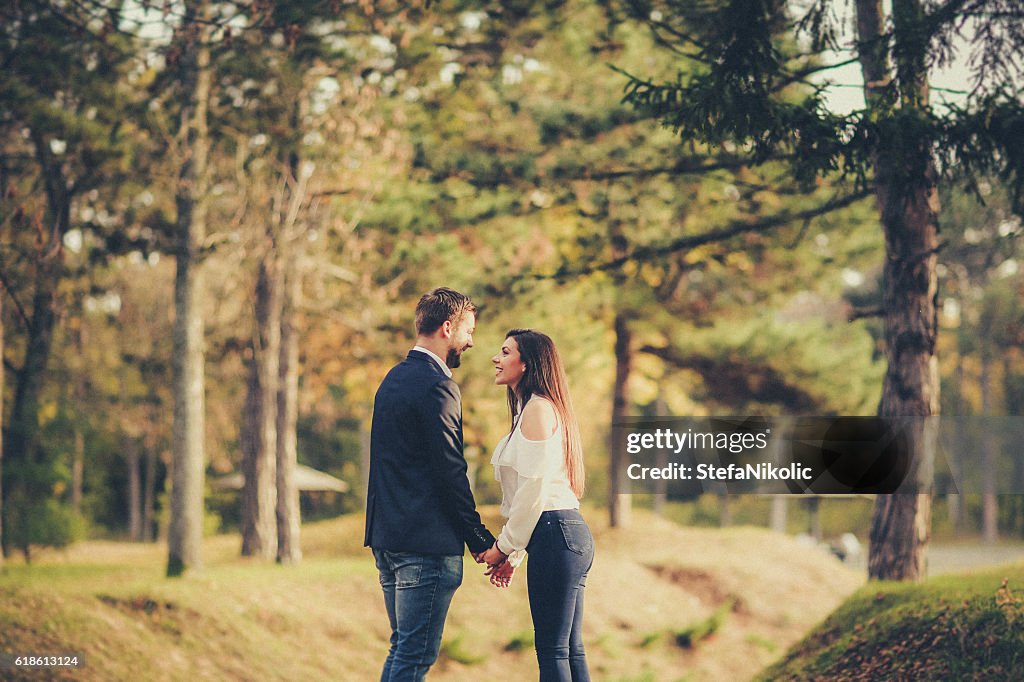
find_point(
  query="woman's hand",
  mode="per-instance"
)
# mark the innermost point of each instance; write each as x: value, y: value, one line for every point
x: 501, y: 575
x: 494, y: 556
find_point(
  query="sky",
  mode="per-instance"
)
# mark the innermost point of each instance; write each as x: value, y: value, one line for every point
x: 847, y: 93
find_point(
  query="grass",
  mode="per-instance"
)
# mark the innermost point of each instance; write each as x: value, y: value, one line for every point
x: 837, y: 515
x: 764, y: 643
x: 455, y: 650
x: 949, y: 628
x: 692, y: 635
x: 522, y: 641
x: 650, y: 639
x: 241, y: 619
x: 738, y: 597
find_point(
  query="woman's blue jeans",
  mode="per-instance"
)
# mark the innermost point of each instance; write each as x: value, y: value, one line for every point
x: 418, y: 589
x: 561, y: 552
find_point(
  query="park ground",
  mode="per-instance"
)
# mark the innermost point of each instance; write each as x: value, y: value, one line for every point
x: 664, y: 602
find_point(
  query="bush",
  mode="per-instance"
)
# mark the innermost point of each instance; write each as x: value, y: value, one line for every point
x: 46, y: 523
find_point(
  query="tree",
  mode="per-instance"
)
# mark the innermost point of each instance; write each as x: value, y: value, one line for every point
x: 259, y: 426
x: 2, y: 389
x: 61, y: 132
x: 194, y: 72
x: 289, y: 545
x: 529, y: 136
x: 755, y: 88
x: 981, y: 254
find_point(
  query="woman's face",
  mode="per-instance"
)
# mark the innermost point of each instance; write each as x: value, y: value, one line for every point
x: 508, y: 366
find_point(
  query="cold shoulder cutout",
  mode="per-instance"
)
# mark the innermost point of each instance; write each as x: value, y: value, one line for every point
x: 539, y: 419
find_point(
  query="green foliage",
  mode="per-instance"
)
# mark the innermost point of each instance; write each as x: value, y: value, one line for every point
x: 650, y: 639
x: 643, y: 677
x: 763, y: 642
x: 42, y: 522
x: 752, y: 90
x: 454, y: 649
x: 764, y: 366
x: 692, y: 635
x: 337, y: 449
x: 522, y: 641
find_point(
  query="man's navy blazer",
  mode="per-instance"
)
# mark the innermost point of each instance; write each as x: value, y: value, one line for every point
x: 419, y: 498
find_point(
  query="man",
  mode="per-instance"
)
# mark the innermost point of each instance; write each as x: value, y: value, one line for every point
x: 419, y: 508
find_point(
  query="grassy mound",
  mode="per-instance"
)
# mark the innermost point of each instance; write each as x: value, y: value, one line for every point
x: 663, y: 603
x: 949, y: 628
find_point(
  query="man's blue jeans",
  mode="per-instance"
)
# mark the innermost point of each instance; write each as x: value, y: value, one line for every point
x: 418, y: 589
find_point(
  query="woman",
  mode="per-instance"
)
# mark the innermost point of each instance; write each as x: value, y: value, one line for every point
x: 540, y: 467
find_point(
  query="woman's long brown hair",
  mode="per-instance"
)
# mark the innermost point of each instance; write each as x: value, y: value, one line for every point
x: 544, y: 376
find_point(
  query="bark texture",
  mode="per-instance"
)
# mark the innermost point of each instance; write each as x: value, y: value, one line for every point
x: 185, y: 531
x: 905, y: 187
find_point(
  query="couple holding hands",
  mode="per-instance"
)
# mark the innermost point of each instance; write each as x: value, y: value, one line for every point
x: 420, y: 511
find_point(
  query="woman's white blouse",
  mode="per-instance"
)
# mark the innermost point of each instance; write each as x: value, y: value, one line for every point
x: 533, y: 480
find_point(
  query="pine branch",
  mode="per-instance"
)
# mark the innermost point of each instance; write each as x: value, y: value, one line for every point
x: 17, y: 304
x: 734, y: 229
x: 650, y: 252
x: 753, y: 379
x: 865, y: 313
x: 695, y: 165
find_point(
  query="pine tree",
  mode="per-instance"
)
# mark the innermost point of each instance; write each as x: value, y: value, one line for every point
x: 754, y: 88
x: 60, y: 130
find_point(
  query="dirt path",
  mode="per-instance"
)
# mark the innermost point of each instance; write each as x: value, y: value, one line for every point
x: 964, y: 556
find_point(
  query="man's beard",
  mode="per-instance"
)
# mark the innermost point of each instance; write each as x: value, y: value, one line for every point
x: 454, y: 358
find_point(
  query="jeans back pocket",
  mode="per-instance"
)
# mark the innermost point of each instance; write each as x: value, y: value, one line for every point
x: 408, y: 571
x: 576, y: 535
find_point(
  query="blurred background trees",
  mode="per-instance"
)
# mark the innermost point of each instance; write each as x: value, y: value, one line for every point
x: 338, y: 159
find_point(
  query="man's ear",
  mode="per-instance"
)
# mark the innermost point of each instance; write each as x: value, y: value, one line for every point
x: 446, y: 329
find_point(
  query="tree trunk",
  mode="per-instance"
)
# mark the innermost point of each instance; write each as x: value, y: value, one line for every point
x: 908, y: 203
x: 955, y: 501
x: 289, y: 546
x: 779, y: 514
x: 23, y: 432
x: 3, y: 512
x: 22, y: 442
x: 185, y: 532
x: 1012, y: 405
x: 814, y: 518
x: 619, y: 500
x: 989, y: 501
x: 79, y: 397
x: 77, y: 470
x: 134, y: 490
x: 289, y: 513
x: 292, y: 197
x: 661, y: 461
x: 259, y: 440
x: 149, y: 493
x: 724, y: 510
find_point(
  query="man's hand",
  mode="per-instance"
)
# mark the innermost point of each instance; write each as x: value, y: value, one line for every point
x: 478, y: 557
x: 501, y: 575
x: 494, y: 556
